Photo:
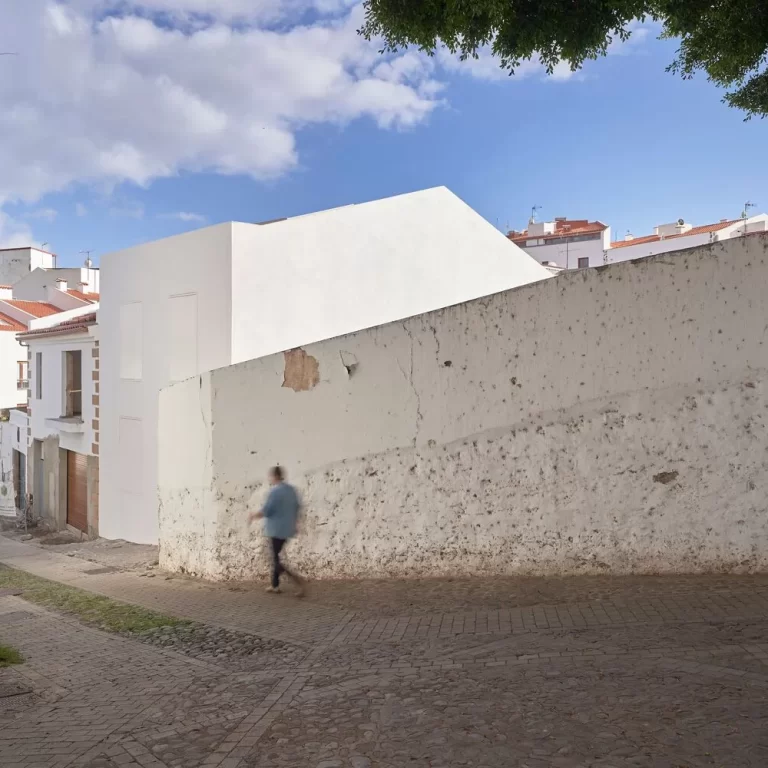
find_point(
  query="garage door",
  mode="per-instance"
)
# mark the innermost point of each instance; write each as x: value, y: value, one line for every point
x: 77, y: 491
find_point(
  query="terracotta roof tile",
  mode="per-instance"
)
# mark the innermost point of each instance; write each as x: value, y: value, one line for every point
x: 704, y: 229
x: 9, y: 324
x: 89, y: 297
x: 35, y: 308
x: 563, y: 228
x: 81, y: 323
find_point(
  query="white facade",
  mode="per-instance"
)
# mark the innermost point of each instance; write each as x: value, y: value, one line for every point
x: 33, y: 287
x: 47, y: 383
x: 569, y: 252
x: 609, y: 421
x: 12, y: 390
x: 206, y: 299
x: 13, y: 443
x: 16, y: 263
x: 677, y: 237
x: 63, y: 464
x: 563, y: 244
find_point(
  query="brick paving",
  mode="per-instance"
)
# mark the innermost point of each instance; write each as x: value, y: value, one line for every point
x: 666, y: 673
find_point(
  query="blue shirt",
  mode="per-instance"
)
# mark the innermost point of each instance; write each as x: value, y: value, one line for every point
x: 281, y: 512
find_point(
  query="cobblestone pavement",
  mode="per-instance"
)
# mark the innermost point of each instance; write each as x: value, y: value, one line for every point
x: 664, y: 672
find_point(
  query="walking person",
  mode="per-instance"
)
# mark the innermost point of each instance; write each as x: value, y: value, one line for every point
x: 281, y: 516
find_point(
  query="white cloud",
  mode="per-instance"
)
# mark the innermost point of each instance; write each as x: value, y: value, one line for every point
x: 186, y: 216
x: 80, y: 209
x: 106, y: 99
x: 14, y: 233
x: 46, y: 214
x: 111, y: 92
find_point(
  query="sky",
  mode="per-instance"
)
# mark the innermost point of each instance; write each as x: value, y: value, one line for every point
x: 125, y: 121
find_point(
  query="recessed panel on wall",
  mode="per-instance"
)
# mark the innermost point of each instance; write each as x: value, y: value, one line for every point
x: 182, y: 341
x: 131, y: 341
x: 130, y: 454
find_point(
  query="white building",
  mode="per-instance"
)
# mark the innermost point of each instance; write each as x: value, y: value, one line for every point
x: 680, y: 235
x: 16, y: 263
x: 177, y: 307
x: 40, y: 290
x: 63, y: 413
x: 13, y: 461
x: 564, y: 243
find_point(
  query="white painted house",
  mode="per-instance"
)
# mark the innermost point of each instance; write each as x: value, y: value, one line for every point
x: 63, y: 464
x: 564, y: 243
x: 680, y: 235
x: 17, y: 263
x: 177, y: 307
x: 40, y: 293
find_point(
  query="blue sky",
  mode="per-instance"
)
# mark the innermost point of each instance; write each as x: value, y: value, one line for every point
x: 622, y: 141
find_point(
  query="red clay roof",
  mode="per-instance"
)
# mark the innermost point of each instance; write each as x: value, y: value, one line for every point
x: 704, y: 229
x: 5, y: 287
x: 563, y: 227
x: 89, y: 297
x: 9, y: 324
x: 74, y: 325
x: 35, y: 308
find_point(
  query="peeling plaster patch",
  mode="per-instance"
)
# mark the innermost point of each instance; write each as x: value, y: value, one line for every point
x: 349, y: 361
x: 665, y: 478
x: 302, y: 371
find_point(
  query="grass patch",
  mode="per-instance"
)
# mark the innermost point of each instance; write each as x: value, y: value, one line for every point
x: 9, y: 656
x: 94, y: 610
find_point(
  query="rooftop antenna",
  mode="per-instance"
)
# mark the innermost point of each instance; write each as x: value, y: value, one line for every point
x: 747, y: 206
x: 534, y: 208
x: 88, y: 262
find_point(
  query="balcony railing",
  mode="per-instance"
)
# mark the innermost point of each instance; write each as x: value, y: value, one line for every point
x: 22, y: 384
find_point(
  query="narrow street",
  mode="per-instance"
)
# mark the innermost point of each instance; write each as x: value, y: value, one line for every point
x: 610, y: 672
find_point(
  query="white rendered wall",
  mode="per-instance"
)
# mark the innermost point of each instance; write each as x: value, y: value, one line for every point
x: 52, y: 404
x: 610, y: 420
x: 20, y: 440
x: 10, y: 353
x: 317, y: 276
x: 568, y: 256
x: 32, y: 287
x: 138, y: 284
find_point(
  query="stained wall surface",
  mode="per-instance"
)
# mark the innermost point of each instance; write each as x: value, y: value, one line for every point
x: 607, y: 420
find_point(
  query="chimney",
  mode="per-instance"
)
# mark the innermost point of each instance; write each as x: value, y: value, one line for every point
x: 61, y: 284
x: 629, y: 236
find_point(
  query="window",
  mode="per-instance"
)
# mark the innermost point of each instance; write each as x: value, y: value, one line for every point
x: 73, y: 383
x: 23, y: 375
x: 39, y: 375
x: 583, y: 262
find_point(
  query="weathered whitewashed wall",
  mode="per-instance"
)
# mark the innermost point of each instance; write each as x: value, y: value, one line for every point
x: 609, y: 420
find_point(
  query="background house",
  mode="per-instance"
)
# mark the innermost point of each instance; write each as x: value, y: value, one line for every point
x: 680, y: 235
x: 63, y: 464
x: 578, y: 243
x: 564, y: 243
x: 175, y: 308
x: 17, y: 263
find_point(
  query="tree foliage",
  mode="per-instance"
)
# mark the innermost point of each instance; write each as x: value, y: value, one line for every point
x: 727, y: 39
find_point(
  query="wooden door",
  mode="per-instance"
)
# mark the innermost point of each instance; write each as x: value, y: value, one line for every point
x: 77, y: 491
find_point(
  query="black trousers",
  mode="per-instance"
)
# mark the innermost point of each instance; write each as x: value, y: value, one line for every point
x: 277, y: 566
